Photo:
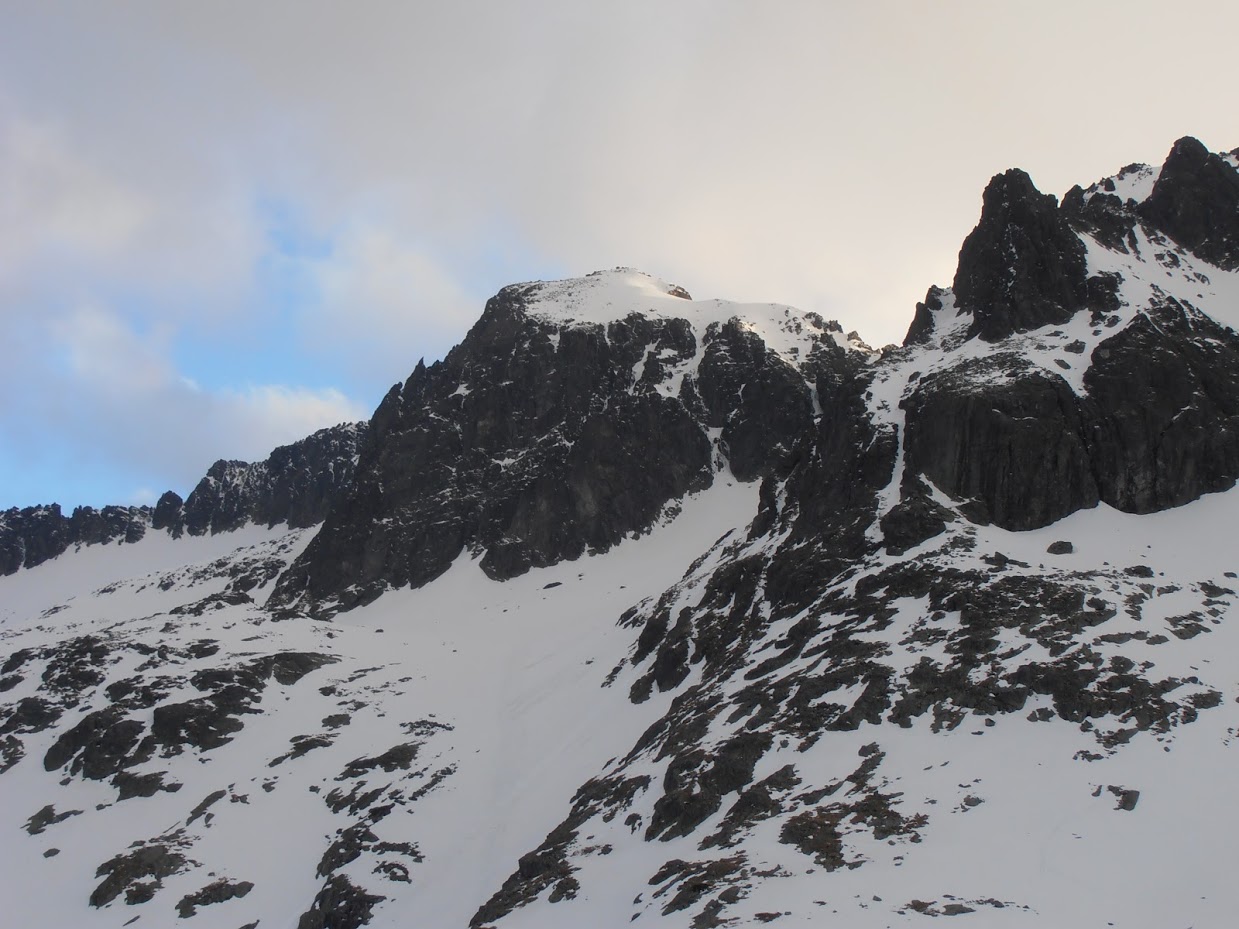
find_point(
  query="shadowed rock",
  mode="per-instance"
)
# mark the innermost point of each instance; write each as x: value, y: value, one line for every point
x: 1022, y: 266
x: 1196, y: 202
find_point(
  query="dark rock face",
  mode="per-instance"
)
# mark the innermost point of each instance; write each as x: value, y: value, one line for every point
x: 1103, y: 216
x: 1158, y: 428
x: 1008, y: 438
x: 99, y: 746
x: 88, y: 526
x: 169, y: 514
x: 761, y: 404
x: 33, y: 535
x: 922, y: 326
x: 833, y: 492
x: 696, y: 782
x: 1196, y: 202
x: 916, y: 518
x: 1023, y: 266
x: 1164, y: 410
x: 534, y: 442
x: 106, y: 742
x: 138, y: 874
x: 297, y: 484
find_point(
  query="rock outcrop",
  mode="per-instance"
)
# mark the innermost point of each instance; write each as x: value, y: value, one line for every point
x: 1163, y: 410
x: 35, y: 534
x: 1151, y: 423
x: 542, y: 437
x: 1196, y: 202
x: 1004, y: 436
x: 1023, y: 266
x: 297, y: 484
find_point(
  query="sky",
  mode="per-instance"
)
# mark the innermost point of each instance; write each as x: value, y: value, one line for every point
x: 225, y: 225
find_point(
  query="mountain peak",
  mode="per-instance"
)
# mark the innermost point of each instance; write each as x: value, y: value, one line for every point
x: 1022, y: 266
x: 603, y: 298
x: 1196, y: 201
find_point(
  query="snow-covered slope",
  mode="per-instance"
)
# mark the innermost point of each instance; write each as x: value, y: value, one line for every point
x: 426, y: 740
x: 605, y: 297
x: 643, y: 609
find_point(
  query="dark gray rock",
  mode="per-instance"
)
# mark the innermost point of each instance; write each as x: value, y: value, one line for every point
x: 102, y: 744
x: 130, y: 785
x: 1159, y: 426
x: 30, y: 714
x: 88, y: 526
x: 297, y: 484
x: 1163, y: 410
x: 35, y: 534
x: 534, y: 442
x: 340, y: 904
x: 31, y: 536
x: 1196, y: 202
x: 137, y: 874
x: 1103, y: 216
x: 922, y: 327
x: 695, y: 783
x: 762, y: 405
x: 916, y: 518
x: 1005, y: 436
x: 47, y: 817
x: 218, y: 892
x: 169, y: 515
x: 1126, y: 796
x: 1022, y: 266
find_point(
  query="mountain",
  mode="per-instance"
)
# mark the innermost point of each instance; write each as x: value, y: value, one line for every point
x: 641, y: 608
x: 295, y: 486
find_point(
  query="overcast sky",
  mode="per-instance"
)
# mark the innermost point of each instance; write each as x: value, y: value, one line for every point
x: 224, y: 225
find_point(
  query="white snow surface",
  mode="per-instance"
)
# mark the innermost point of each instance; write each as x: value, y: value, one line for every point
x: 1135, y: 182
x: 605, y: 297
x: 86, y: 568
x: 1015, y: 815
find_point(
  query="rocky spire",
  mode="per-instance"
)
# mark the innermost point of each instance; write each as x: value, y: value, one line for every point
x: 1196, y: 202
x: 1022, y: 266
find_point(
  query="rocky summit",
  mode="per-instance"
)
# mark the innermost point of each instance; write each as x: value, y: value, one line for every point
x: 641, y: 608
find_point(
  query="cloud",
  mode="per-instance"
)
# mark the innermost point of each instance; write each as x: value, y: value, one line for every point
x: 267, y: 415
x: 168, y: 419
x: 119, y: 408
x: 100, y: 352
x: 54, y: 202
x: 380, y: 300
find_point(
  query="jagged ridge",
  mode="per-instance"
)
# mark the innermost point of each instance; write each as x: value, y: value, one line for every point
x: 570, y: 416
x: 297, y: 485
